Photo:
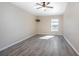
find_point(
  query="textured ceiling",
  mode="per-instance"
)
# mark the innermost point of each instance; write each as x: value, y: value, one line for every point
x: 58, y: 8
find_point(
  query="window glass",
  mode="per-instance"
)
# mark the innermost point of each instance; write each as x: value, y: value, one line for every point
x: 55, y: 25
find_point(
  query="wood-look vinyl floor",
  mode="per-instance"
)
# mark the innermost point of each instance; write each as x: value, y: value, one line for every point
x: 37, y: 46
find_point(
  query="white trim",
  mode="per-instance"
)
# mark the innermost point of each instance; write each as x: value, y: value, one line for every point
x: 5, y: 47
x: 50, y: 33
x: 71, y: 44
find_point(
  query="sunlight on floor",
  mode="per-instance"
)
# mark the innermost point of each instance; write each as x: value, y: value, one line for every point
x: 46, y: 37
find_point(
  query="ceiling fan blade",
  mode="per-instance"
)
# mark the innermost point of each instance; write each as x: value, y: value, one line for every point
x: 49, y: 7
x: 38, y: 7
x: 38, y: 4
x: 48, y: 3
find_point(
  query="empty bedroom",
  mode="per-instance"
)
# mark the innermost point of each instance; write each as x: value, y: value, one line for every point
x: 39, y: 28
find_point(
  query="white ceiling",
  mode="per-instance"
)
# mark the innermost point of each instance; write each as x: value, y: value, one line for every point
x: 58, y: 8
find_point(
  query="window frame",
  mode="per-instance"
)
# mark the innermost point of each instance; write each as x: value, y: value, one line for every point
x: 54, y: 22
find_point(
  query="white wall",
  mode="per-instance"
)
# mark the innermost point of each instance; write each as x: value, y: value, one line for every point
x: 15, y: 24
x: 44, y: 26
x: 71, y: 24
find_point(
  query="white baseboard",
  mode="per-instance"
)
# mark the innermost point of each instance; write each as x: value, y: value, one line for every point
x: 49, y: 34
x: 16, y: 42
x: 71, y: 45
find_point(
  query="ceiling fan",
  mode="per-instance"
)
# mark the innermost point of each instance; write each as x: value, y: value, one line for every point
x: 44, y: 5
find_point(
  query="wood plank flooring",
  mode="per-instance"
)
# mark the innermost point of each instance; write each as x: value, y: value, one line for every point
x: 40, y: 46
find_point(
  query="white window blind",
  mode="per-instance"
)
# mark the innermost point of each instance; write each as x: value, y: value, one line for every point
x: 55, y: 25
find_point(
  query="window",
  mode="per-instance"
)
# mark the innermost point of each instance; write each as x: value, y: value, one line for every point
x: 54, y: 24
